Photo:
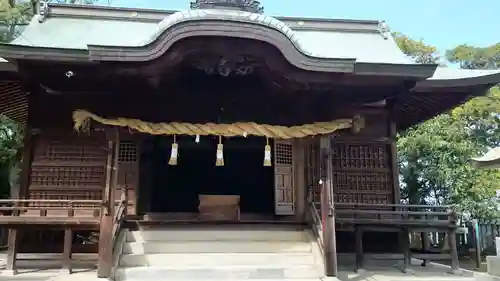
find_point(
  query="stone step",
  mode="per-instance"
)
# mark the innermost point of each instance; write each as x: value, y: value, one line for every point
x: 215, y: 235
x: 224, y: 273
x: 217, y: 259
x: 160, y: 247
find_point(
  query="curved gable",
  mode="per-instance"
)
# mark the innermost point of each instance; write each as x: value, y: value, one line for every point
x: 224, y: 23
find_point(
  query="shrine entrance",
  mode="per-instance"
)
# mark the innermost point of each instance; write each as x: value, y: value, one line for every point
x: 176, y: 188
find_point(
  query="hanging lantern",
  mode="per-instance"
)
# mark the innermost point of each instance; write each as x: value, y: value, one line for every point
x: 267, y: 154
x: 174, y: 153
x: 220, y: 153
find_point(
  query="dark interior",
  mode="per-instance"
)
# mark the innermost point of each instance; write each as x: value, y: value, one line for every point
x: 176, y: 188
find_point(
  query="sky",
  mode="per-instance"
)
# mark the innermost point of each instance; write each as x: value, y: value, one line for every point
x: 442, y: 23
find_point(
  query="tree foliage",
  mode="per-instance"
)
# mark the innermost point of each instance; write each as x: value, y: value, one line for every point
x: 474, y: 57
x: 416, y: 49
x: 10, y: 153
x: 435, y: 155
x: 15, y: 14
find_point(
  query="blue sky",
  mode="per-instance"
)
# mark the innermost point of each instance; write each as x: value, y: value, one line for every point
x: 442, y: 23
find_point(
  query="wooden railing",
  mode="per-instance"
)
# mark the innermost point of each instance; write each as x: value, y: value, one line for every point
x: 48, y: 209
x: 383, y: 217
x: 395, y: 215
x: 52, y: 214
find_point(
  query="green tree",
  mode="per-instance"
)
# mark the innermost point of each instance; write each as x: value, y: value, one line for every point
x: 435, y: 155
x: 474, y: 57
x: 10, y: 153
x: 14, y: 15
x: 418, y: 50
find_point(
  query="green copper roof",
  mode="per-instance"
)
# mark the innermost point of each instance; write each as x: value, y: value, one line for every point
x: 365, y: 41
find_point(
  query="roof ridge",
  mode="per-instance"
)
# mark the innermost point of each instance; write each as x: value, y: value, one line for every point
x: 157, y: 15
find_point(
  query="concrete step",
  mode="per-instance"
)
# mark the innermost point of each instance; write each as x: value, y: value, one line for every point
x: 214, y: 235
x: 160, y: 247
x: 224, y: 273
x: 217, y: 259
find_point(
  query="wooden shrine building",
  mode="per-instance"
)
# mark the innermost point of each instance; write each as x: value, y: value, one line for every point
x: 216, y: 113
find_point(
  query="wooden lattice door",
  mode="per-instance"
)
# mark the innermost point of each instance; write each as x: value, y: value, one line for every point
x: 283, y: 178
x: 128, y: 172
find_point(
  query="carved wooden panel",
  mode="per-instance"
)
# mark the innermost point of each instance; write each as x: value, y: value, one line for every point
x: 128, y: 171
x: 68, y: 166
x: 284, y: 184
x: 362, y: 173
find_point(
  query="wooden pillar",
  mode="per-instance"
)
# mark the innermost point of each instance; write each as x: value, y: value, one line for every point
x: 394, y: 162
x: 67, y: 254
x: 328, y: 210
x: 12, y: 243
x: 359, y: 248
x: 424, y: 237
x: 452, y: 242
x: 27, y: 157
x: 300, y: 185
x: 476, y: 242
x: 105, y: 259
x: 405, y: 247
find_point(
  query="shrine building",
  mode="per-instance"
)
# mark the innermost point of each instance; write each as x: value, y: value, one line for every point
x: 212, y: 119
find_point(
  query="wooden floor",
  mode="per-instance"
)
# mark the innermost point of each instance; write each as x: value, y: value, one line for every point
x: 193, y: 218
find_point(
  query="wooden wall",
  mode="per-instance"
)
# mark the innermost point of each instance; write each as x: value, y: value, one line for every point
x: 70, y: 165
x: 364, y: 164
x: 67, y: 165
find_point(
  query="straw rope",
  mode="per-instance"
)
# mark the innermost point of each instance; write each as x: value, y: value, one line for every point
x: 82, y: 119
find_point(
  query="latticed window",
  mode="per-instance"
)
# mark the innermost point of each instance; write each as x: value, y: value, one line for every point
x: 127, y: 152
x: 284, y: 153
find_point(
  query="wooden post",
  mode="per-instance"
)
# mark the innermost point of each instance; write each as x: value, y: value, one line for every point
x: 476, y: 242
x: 424, y: 237
x: 328, y: 210
x: 452, y: 242
x: 105, y: 259
x: 359, y: 248
x: 68, y: 243
x: 405, y: 247
x: 12, y: 244
x: 394, y: 162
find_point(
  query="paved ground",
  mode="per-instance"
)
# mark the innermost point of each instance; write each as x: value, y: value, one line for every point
x: 374, y: 271
x: 384, y: 270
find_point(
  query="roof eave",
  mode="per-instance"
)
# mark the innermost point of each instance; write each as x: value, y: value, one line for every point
x: 430, y: 84
x: 19, y: 52
x: 7, y: 66
x: 415, y: 71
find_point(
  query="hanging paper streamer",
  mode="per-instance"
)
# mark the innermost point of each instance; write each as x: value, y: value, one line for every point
x: 197, y: 139
x: 267, y: 154
x: 174, y: 153
x: 220, y: 153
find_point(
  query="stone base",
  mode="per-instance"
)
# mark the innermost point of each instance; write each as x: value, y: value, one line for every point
x: 329, y: 278
x: 9, y: 272
x: 493, y: 265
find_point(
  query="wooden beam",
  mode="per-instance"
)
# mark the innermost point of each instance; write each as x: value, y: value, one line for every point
x: 104, y: 263
x: 327, y: 210
x: 359, y: 248
x: 452, y: 242
x: 13, y: 243
x: 405, y: 247
x: 27, y: 154
x: 67, y: 254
